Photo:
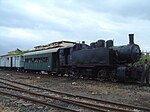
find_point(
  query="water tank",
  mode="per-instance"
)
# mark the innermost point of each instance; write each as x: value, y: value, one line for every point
x: 109, y: 43
x: 100, y: 43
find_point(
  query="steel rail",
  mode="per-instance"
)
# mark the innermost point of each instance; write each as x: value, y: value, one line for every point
x: 99, y: 100
x: 37, y: 101
x: 79, y: 103
x: 60, y: 99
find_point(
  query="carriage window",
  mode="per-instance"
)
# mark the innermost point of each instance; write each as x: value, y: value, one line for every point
x: 17, y: 58
x: 35, y: 60
x: 45, y: 59
x: 38, y: 59
x: 28, y: 60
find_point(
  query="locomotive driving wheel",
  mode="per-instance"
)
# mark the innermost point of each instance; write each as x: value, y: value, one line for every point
x: 101, y: 75
x: 75, y: 74
x: 113, y: 76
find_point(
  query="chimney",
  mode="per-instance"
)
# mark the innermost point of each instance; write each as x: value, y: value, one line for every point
x: 83, y: 44
x: 131, y: 38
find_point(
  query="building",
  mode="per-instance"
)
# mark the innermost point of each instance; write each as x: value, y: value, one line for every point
x: 54, y: 45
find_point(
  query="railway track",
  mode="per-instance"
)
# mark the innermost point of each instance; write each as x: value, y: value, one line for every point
x: 81, y: 101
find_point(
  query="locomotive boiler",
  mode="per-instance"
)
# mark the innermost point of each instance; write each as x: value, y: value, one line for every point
x: 128, y: 53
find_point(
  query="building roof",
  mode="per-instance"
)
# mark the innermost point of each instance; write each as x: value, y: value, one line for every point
x: 67, y: 46
x: 10, y: 55
x: 41, y: 52
x: 54, y: 44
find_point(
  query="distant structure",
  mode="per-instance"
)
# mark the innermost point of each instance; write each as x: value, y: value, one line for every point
x: 16, y: 52
x: 54, y: 45
x: 42, y: 47
x: 146, y: 53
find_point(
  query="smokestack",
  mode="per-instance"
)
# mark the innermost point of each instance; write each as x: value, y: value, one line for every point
x: 83, y: 44
x: 131, y: 38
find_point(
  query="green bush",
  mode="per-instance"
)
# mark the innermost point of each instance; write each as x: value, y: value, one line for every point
x: 143, y: 57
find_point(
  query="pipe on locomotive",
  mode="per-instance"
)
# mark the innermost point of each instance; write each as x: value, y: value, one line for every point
x: 131, y: 38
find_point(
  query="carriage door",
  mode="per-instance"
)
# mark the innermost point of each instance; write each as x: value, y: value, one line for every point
x: 66, y: 54
x: 11, y: 61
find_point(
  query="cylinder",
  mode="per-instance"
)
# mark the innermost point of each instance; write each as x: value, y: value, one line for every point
x: 109, y: 43
x: 131, y: 38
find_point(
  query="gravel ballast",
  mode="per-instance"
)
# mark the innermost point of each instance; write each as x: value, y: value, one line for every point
x: 118, y: 92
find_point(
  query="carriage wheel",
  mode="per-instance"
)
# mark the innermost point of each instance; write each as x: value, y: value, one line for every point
x: 113, y: 77
x: 101, y: 75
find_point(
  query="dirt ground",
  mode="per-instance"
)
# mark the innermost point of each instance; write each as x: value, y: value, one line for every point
x: 4, y: 108
x: 119, y: 92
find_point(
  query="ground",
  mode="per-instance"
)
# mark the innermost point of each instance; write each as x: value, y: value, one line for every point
x: 119, y: 92
x: 7, y: 109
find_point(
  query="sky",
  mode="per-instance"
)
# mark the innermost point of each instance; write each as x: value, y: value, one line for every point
x: 28, y: 23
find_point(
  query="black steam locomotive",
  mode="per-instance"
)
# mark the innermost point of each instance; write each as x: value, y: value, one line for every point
x: 99, y: 61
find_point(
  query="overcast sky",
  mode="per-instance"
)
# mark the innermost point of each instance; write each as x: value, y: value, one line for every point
x: 27, y: 23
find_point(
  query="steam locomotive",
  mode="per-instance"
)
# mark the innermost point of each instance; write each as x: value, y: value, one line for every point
x: 102, y: 62
x: 97, y: 60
